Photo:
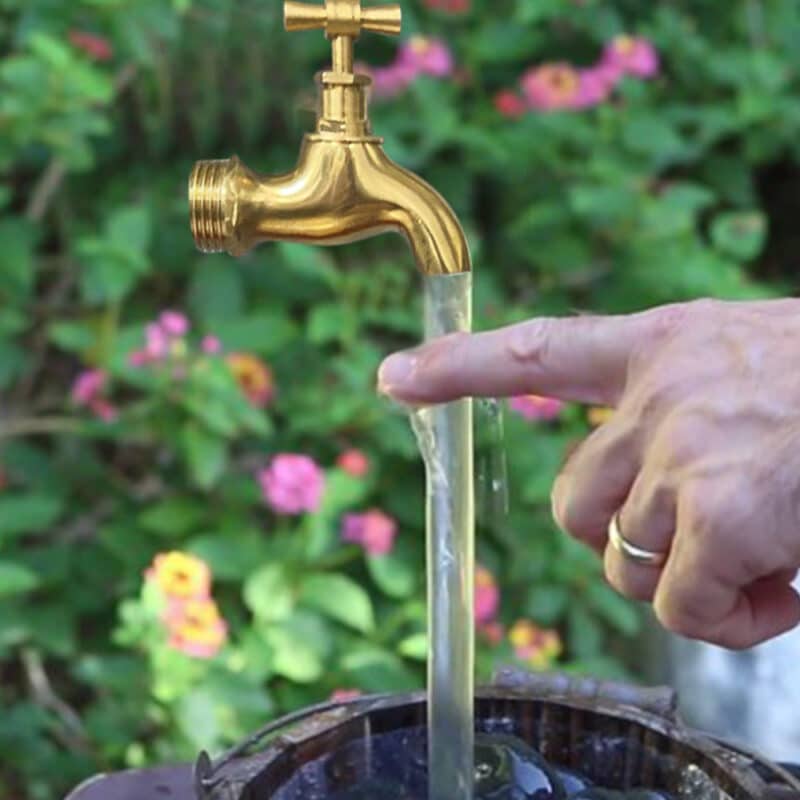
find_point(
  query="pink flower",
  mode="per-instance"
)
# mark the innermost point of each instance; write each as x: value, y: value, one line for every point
x: 595, y: 87
x: 354, y: 463
x: 292, y: 484
x: 389, y: 81
x: 88, y: 386
x: 552, y: 87
x: 95, y: 47
x: 532, y: 407
x: 173, y: 323
x: 139, y: 358
x: 374, y: 531
x: 426, y: 56
x: 345, y: 695
x: 509, y: 104
x: 157, y: 342
x: 88, y: 391
x: 632, y: 55
x: 487, y: 596
x: 211, y: 345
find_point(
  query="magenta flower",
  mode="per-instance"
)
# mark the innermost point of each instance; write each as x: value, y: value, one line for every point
x: 532, y: 407
x: 88, y: 391
x: 88, y: 386
x: 374, y: 531
x: 211, y: 345
x: 487, y: 596
x: 426, y: 56
x: 292, y: 484
x: 173, y: 323
x: 632, y: 55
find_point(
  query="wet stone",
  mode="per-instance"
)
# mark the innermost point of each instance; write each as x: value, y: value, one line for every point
x: 508, y: 769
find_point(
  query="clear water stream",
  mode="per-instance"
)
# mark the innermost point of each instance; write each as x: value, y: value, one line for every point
x: 445, y: 439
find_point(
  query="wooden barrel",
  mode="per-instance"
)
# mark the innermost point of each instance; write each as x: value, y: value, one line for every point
x: 617, y: 735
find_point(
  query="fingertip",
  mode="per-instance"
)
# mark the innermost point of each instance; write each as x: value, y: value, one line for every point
x: 395, y: 375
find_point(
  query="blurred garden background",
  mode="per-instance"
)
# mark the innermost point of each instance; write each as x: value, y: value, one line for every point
x: 207, y: 515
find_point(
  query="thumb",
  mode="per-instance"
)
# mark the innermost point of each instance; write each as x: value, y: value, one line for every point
x: 583, y: 359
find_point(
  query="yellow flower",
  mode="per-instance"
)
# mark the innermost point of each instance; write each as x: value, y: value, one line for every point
x: 196, y: 628
x: 253, y: 376
x: 180, y: 575
x: 539, y: 647
x: 599, y: 415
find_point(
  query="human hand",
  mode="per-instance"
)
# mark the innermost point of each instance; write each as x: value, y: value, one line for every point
x: 701, y: 458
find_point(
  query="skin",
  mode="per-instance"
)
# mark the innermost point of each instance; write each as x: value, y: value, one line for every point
x: 701, y: 458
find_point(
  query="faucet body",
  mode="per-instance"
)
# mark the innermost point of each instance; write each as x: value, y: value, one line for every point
x: 344, y: 187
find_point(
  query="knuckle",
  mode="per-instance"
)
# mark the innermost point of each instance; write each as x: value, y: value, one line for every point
x: 529, y: 343
x: 683, y: 438
x: 682, y: 614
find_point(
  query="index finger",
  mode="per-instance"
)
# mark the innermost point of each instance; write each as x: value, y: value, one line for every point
x: 583, y: 359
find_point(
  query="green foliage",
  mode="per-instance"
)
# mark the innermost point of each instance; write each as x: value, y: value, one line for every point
x: 674, y: 189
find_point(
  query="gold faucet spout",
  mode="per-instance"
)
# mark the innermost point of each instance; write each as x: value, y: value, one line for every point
x: 340, y: 192
x: 344, y: 188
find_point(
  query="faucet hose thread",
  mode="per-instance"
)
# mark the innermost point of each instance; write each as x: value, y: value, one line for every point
x: 208, y: 196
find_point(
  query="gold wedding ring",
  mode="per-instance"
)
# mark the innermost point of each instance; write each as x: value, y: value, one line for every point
x: 633, y: 553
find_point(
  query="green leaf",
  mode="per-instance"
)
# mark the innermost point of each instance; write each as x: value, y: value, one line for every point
x: 415, y: 647
x: 340, y: 598
x: 546, y: 603
x: 394, y: 574
x: 74, y: 337
x: 206, y: 454
x: 196, y: 715
x: 293, y: 656
x: 130, y: 227
x: 376, y: 670
x: 741, y: 235
x: 16, y: 579
x: 232, y: 551
x: 584, y: 635
x: 331, y: 322
x: 17, y: 264
x: 216, y: 292
x: 268, y: 593
x: 342, y: 492
x: 266, y: 332
x: 618, y: 612
x: 28, y: 513
x: 173, y: 517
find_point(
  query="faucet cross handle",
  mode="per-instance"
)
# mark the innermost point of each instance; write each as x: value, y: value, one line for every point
x: 343, y: 21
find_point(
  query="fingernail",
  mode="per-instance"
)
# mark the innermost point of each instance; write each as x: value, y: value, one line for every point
x: 394, y: 372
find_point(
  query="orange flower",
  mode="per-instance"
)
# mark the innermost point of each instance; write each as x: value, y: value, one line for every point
x: 180, y: 575
x: 196, y: 628
x: 538, y: 646
x: 254, y: 378
x: 599, y: 416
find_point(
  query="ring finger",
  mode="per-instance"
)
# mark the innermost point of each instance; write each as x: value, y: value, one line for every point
x: 646, y: 521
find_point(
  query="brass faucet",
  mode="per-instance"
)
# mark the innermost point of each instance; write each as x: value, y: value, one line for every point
x: 344, y: 188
